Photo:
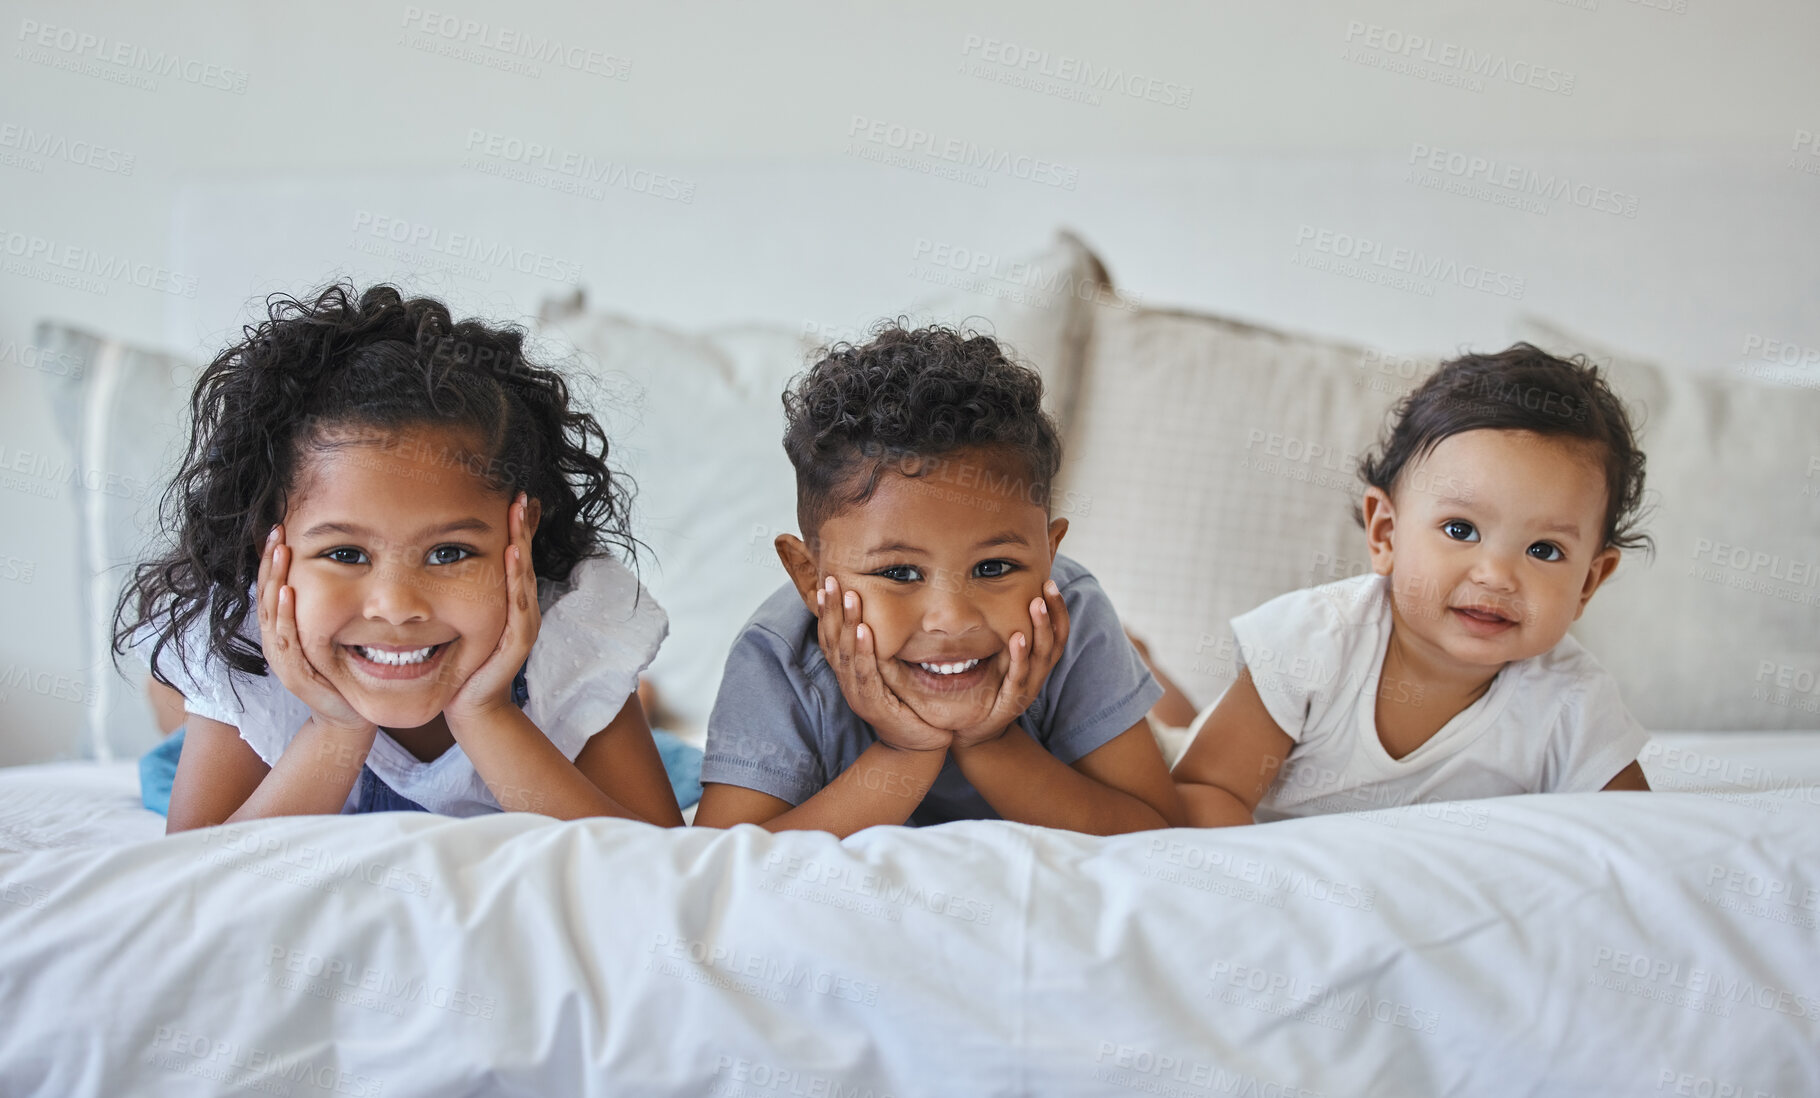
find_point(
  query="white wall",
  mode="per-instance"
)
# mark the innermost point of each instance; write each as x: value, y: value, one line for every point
x: 1691, y: 118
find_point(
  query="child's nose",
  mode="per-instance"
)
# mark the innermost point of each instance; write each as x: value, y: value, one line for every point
x: 396, y: 596
x: 1495, y: 570
x: 950, y: 611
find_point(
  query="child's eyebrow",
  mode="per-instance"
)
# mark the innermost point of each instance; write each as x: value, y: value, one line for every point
x: 1008, y: 537
x: 354, y: 530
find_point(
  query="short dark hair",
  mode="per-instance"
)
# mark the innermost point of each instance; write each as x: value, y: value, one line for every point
x: 1522, y: 388
x: 911, y: 393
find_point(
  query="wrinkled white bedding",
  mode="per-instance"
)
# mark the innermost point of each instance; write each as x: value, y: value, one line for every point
x: 1599, y: 944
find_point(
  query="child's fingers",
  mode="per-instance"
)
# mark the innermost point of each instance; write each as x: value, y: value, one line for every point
x: 291, y: 642
x: 1011, y: 692
x: 851, y: 614
x: 514, y: 597
x: 1058, y: 615
x: 266, y: 599
x: 840, y: 646
x: 827, y: 616
x: 290, y: 648
x: 524, y: 596
x: 1042, y: 632
x: 865, y: 661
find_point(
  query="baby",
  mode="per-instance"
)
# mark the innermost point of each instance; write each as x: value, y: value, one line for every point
x: 1503, y: 498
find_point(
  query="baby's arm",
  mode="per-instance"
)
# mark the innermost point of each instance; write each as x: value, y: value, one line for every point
x: 1233, y: 760
x: 221, y: 779
x: 1119, y: 787
x: 883, y: 786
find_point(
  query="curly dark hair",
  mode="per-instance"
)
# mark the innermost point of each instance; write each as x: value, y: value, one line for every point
x: 343, y: 360
x: 911, y: 394
x: 1521, y: 388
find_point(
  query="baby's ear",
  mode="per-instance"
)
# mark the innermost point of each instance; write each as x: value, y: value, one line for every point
x: 1603, y: 565
x: 533, y: 512
x: 800, y: 563
x: 1380, y: 528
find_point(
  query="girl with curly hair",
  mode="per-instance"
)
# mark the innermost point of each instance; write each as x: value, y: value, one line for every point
x: 392, y: 582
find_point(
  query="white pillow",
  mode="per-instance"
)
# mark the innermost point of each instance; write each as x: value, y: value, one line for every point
x: 1722, y: 629
x: 123, y: 410
x: 1039, y: 309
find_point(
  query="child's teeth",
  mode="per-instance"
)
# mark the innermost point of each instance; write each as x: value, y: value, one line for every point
x: 948, y: 668
x: 395, y: 659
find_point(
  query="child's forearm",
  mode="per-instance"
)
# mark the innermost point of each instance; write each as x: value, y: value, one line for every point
x: 1024, y: 782
x: 882, y: 788
x: 526, y: 773
x: 1212, y: 806
x: 313, y: 777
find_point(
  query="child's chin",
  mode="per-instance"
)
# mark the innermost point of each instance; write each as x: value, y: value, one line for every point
x: 950, y: 716
x: 395, y: 715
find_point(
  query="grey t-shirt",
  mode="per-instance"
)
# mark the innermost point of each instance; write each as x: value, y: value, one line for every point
x: 780, y: 724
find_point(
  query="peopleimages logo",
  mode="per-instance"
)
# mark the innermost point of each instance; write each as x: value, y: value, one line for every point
x: 967, y: 158
x: 40, y: 43
x: 1447, y: 62
x: 1510, y: 184
x: 468, y: 247
x: 1077, y: 72
x: 1398, y: 267
x: 27, y: 148
x: 517, y: 45
x: 569, y: 170
x: 87, y: 269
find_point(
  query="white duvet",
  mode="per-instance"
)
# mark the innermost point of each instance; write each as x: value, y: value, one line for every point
x: 1603, y: 944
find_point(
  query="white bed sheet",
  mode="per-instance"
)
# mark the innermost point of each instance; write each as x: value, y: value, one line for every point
x: 1595, y: 944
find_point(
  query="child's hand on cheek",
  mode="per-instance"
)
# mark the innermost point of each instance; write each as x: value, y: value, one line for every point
x: 847, y: 642
x: 1030, y: 667
x: 283, y: 649
x: 489, y: 687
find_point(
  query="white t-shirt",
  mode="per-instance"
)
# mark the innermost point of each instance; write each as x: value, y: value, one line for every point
x: 1553, y: 723
x: 597, y: 633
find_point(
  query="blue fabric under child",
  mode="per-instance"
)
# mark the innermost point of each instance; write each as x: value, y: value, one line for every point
x: 158, y: 770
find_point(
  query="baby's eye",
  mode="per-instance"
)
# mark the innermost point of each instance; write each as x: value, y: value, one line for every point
x: 901, y: 573
x: 993, y: 569
x: 346, y: 554
x: 1459, y: 530
x: 450, y: 554
x: 1543, y: 550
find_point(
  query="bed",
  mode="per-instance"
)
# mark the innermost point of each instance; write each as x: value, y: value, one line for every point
x: 1597, y: 944
x: 1610, y: 944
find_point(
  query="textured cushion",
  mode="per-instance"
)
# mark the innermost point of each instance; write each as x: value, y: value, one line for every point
x: 1210, y: 467
x: 1722, y: 628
